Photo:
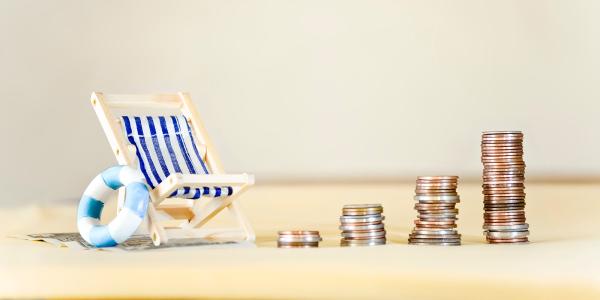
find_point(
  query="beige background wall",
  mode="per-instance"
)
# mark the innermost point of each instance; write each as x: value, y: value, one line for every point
x: 303, y: 89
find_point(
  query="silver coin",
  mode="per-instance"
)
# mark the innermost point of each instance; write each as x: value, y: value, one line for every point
x: 345, y: 243
x: 363, y: 241
x: 364, y: 234
x: 520, y: 227
x: 361, y: 219
x: 434, y: 244
x: 436, y: 186
x: 434, y: 206
x: 437, y: 198
x: 428, y: 240
x: 361, y: 212
x: 298, y: 233
x: 362, y: 227
x: 362, y: 206
x: 502, y: 132
x: 303, y: 239
x: 434, y: 231
x: 431, y: 236
x: 433, y: 241
x: 438, y: 177
x: 507, y: 234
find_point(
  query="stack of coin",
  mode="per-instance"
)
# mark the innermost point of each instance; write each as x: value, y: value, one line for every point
x: 362, y: 225
x: 298, y: 239
x: 436, y: 198
x: 503, y: 187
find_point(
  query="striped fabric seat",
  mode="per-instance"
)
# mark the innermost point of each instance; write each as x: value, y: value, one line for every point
x: 166, y: 145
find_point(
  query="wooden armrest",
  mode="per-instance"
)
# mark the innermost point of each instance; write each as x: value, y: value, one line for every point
x: 178, y: 180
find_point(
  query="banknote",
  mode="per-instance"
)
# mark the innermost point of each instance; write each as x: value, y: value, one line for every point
x: 135, y: 243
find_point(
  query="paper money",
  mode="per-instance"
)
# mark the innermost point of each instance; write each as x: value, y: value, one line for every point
x: 74, y: 240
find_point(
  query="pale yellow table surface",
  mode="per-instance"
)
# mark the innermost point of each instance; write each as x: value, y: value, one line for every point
x: 561, y: 262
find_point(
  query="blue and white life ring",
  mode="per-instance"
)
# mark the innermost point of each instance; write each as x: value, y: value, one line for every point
x: 127, y: 220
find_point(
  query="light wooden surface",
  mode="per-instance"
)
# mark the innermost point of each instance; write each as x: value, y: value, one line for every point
x: 561, y: 262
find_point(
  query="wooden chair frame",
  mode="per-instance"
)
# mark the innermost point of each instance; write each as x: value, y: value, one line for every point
x: 175, y: 218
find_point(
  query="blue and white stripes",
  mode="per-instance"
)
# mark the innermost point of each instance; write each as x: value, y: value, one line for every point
x: 128, y: 219
x: 166, y: 145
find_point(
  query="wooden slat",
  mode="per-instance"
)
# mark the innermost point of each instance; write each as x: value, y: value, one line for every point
x: 176, y: 181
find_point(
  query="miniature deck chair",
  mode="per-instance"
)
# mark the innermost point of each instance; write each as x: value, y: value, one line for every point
x: 163, y: 136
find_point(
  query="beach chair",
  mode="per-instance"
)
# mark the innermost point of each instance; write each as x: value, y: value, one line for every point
x: 164, y: 137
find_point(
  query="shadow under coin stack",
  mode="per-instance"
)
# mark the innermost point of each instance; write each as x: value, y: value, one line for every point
x: 298, y: 239
x: 436, y: 198
x: 504, y: 187
x: 362, y: 225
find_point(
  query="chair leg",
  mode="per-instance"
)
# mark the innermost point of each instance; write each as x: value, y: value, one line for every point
x: 216, y: 205
x: 157, y: 233
x: 212, y: 208
x: 235, y: 209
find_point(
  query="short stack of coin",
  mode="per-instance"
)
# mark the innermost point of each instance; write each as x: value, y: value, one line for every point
x: 362, y: 225
x: 504, y: 187
x: 298, y: 239
x: 436, y: 198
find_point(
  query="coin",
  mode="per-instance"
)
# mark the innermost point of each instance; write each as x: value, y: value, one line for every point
x: 437, y: 193
x: 437, y: 178
x: 362, y: 209
x: 370, y: 234
x: 499, y: 198
x: 299, y: 245
x: 503, y: 218
x: 437, y: 216
x: 506, y: 241
x: 362, y: 206
x: 368, y: 242
x: 504, y: 184
x: 362, y: 225
x: 445, y: 236
x: 298, y: 239
x: 362, y: 219
x: 434, y: 211
x: 298, y: 232
x: 423, y: 226
x: 434, y: 231
x: 524, y: 226
x: 436, y: 198
x: 434, y: 241
x: 435, y: 244
x: 503, y: 187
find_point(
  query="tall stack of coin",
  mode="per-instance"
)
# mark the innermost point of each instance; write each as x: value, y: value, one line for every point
x: 436, y: 198
x: 362, y: 225
x: 298, y: 239
x: 503, y: 187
